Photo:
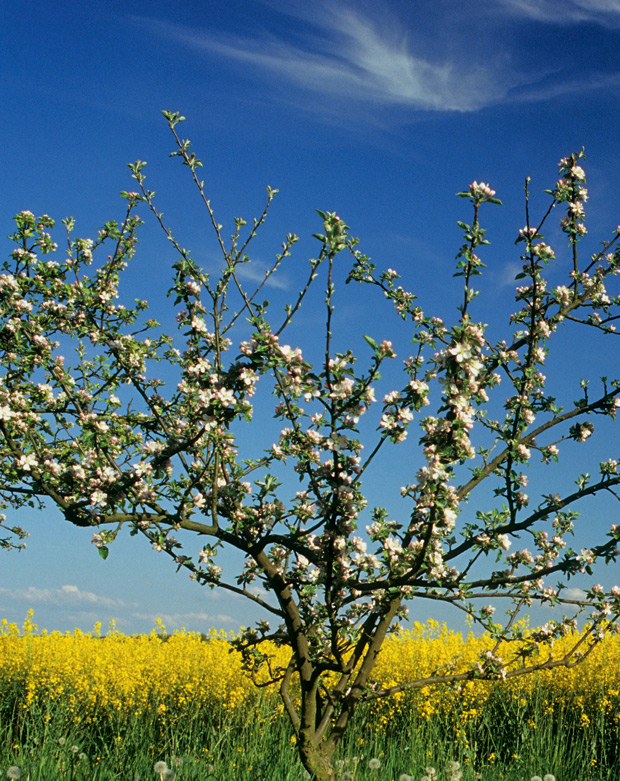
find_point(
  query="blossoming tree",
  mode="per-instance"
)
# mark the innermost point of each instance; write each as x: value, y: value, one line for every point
x: 122, y: 426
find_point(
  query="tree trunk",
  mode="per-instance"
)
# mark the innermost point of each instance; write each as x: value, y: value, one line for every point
x: 315, y: 759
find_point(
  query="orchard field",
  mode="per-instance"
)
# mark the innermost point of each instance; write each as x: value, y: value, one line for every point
x: 112, y: 706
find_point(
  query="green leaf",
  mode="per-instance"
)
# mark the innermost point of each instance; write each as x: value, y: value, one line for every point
x: 103, y: 552
x: 370, y: 341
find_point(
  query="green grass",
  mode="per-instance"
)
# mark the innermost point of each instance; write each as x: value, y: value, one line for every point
x: 506, y: 742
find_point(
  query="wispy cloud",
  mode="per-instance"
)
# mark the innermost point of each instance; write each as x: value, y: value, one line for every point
x: 361, y: 54
x: 505, y: 277
x: 65, y: 595
x: 174, y: 621
x: 255, y: 271
x: 537, y: 93
x: 355, y: 57
x: 604, y: 12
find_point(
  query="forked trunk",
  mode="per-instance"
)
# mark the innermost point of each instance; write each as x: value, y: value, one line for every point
x: 316, y: 759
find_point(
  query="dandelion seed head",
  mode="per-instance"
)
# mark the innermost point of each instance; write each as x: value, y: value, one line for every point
x: 549, y: 777
x: 160, y: 767
x: 14, y: 772
x: 374, y: 763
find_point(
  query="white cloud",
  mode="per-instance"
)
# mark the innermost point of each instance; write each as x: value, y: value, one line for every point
x: 66, y: 595
x: 363, y: 61
x: 506, y: 276
x: 574, y: 593
x: 345, y: 53
x: 255, y: 272
x: 190, y: 620
x: 540, y: 93
x: 604, y: 12
x: 252, y: 272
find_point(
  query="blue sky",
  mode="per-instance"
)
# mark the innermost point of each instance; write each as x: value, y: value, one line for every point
x: 378, y: 110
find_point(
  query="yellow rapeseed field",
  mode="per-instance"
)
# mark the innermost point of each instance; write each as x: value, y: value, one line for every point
x: 591, y: 687
x: 90, y: 674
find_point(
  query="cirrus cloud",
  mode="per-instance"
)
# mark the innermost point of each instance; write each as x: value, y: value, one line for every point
x: 603, y: 12
x: 356, y: 57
